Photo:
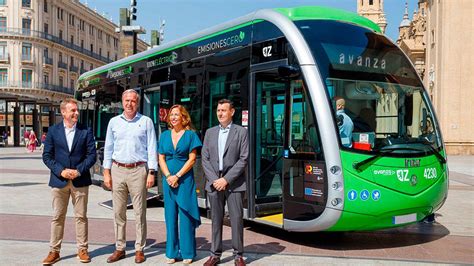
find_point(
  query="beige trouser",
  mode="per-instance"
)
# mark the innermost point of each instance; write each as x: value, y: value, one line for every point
x: 79, y: 198
x: 133, y: 181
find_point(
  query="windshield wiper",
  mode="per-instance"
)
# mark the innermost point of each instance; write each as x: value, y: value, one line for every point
x: 438, y: 155
x: 380, y: 153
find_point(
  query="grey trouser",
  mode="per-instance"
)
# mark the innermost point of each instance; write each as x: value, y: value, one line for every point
x: 235, y: 207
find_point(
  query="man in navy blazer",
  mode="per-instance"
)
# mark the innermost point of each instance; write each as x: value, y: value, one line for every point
x: 69, y: 152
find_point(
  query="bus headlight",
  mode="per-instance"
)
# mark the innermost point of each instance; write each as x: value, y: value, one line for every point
x: 335, y: 170
x: 336, y: 201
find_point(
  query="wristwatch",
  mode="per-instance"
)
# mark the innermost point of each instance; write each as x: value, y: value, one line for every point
x: 151, y: 172
x: 178, y: 175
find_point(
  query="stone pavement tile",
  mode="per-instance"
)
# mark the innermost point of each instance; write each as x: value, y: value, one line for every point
x: 453, y: 249
x: 36, y: 251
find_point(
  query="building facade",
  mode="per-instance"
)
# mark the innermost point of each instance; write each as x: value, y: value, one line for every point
x: 439, y: 41
x: 45, y: 45
x: 373, y: 10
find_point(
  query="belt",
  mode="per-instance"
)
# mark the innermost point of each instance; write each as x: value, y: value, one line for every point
x: 128, y: 165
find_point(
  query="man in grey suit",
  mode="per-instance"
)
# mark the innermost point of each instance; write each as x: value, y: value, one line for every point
x: 224, y: 161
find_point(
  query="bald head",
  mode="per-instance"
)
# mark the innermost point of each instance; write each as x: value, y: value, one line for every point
x: 340, y: 103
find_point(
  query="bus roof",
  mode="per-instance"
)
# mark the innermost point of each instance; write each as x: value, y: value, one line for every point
x: 297, y: 13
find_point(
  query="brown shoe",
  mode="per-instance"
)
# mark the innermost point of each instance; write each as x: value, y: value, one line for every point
x: 239, y: 261
x: 52, y: 258
x: 116, y: 256
x: 139, y: 257
x: 83, y: 256
x: 212, y: 261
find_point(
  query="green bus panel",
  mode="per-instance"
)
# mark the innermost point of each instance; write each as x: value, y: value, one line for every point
x: 387, y: 192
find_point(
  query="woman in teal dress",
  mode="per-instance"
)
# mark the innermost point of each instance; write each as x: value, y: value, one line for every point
x: 177, y: 155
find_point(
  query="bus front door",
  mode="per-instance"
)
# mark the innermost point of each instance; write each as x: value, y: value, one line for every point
x: 156, y: 103
x: 266, y: 134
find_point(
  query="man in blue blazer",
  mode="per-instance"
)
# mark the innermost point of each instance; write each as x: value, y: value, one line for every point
x: 69, y: 152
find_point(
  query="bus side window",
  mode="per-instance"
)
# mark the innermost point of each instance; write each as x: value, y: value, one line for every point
x: 304, y: 138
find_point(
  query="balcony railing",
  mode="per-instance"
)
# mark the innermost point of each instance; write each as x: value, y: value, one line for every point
x: 50, y: 37
x: 73, y: 68
x: 48, y: 61
x: 36, y: 85
x: 62, y: 65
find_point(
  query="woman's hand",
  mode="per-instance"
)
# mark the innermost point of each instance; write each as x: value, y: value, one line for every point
x: 172, y: 181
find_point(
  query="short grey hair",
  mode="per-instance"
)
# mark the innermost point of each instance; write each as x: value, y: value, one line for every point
x: 63, y: 104
x: 132, y: 91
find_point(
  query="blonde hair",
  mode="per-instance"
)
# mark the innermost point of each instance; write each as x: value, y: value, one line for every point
x: 185, y: 117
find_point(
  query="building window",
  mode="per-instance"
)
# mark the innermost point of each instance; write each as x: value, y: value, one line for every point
x: 46, y: 53
x: 46, y: 28
x: 3, y: 51
x: 26, y: 3
x: 60, y: 34
x: 72, y: 61
x: 26, y: 52
x: 72, y: 84
x: 371, y: 2
x: 82, y: 64
x: 45, y: 6
x: 115, y: 57
x: 71, y: 19
x: 3, y: 76
x: 61, y: 81
x: 72, y: 39
x: 107, y: 38
x: 92, y: 47
x: 59, y: 13
x: 3, y: 23
x: 108, y: 55
x: 99, y: 34
x: 92, y: 67
x: 60, y: 57
x: 26, y: 25
x: 3, y: 2
x: 100, y: 51
x: 26, y: 75
x: 62, y: 13
x: 46, y: 79
x: 82, y: 44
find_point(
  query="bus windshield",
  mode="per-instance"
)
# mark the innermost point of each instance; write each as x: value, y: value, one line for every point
x: 377, y: 98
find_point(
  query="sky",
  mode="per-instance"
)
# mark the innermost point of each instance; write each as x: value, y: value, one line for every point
x: 184, y: 17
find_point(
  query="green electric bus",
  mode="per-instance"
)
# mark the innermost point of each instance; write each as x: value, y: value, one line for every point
x: 283, y: 69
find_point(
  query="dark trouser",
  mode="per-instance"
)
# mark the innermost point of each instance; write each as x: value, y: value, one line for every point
x: 235, y: 208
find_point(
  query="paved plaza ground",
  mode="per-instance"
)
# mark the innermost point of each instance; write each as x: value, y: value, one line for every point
x: 25, y: 212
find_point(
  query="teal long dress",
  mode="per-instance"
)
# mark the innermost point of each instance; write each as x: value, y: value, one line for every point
x: 181, y: 201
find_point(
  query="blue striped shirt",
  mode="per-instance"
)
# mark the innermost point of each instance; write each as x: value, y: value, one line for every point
x: 130, y: 141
